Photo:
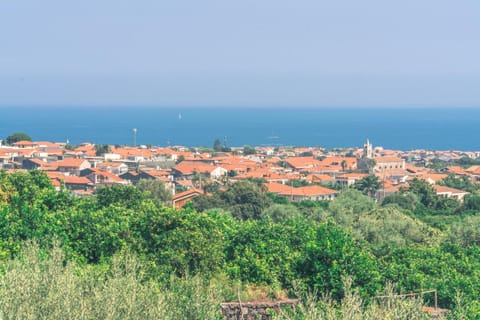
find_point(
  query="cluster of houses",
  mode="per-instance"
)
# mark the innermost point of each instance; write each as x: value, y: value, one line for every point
x: 186, y: 172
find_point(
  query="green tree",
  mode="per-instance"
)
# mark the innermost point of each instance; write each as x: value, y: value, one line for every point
x: 261, y: 251
x: 184, y: 241
x: 101, y: 149
x: 424, y: 191
x: 280, y: 212
x: 329, y: 256
x: 217, y: 145
x: 17, y: 136
x: 156, y: 190
x: 205, y: 202
x: 247, y: 150
x: 466, y: 232
x: 127, y: 196
x: 472, y: 202
x: 368, y: 185
x: 245, y: 200
x: 462, y: 183
x: 406, y: 200
x: 448, y: 268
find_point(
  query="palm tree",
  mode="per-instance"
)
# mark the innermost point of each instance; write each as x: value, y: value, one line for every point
x: 368, y: 185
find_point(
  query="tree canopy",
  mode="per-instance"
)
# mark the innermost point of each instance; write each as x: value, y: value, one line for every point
x: 17, y: 136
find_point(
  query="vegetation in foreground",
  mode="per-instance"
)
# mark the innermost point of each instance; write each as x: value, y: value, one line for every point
x: 41, y: 284
x: 183, y: 263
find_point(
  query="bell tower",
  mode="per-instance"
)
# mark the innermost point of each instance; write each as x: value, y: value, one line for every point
x: 367, y: 150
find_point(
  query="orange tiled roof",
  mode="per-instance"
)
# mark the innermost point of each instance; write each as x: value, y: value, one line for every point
x: 76, y: 180
x: 188, y: 167
x: 387, y: 159
x: 310, y: 191
x: 187, y: 194
x: 38, y: 161
x: 303, y: 162
x: 414, y: 169
x: 24, y: 143
x: 300, y: 191
x: 185, y: 183
x: 431, y: 176
x: 278, y: 187
x: 48, y: 144
x: 126, y: 152
x: 457, y: 170
x: 319, y: 178
x: 444, y: 189
x: 472, y: 168
x: 55, y: 175
x: 337, y: 161
x: 69, y: 162
x: 157, y: 173
x: 106, y: 174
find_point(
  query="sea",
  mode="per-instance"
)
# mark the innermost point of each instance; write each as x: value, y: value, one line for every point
x: 391, y: 128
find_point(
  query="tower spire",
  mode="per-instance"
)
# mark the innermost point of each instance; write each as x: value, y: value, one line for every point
x: 367, y: 150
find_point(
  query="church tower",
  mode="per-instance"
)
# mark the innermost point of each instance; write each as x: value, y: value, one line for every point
x: 367, y: 150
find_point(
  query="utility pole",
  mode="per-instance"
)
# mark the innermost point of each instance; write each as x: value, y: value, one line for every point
x: 134, y: 137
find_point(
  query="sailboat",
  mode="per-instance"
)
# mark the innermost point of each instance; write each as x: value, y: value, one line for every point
x: 273, y: 136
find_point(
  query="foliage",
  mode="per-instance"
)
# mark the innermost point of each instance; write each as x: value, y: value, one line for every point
x: 388, y: 228
x: 424, y: 191
x: 368, y: 185
x: 247, y: 150
x: 297, y: 183
x: 243, y: 199
x: 405, y: 200
x: 183, y: 241
x: 467, y: 162
x: 466, y: 232
x: 219, y: 147
x: 17, y: 136
x: 256, y: 238
x: 462, y: 183
x: 383, y: 228
x: 101, y: 149
x: 42, y: 285
x: 349, y: 205
x: 447, y: 268
x: 353, y: 307
x: 263, y: 252
x: 318, y: 254
x: 280, y: 212
x: 277, y: 199
x: 155, y: 190
x: 329, y: 256
x: 70, y: 146
x: 472, y: 202
x: 127, y: 196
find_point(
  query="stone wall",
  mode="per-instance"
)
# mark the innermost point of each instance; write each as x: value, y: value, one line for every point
x: 255, y: 310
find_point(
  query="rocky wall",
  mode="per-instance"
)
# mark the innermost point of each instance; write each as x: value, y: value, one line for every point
x: 255, y: 310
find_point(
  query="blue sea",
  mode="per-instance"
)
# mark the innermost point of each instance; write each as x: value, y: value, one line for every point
x: 400, y: 128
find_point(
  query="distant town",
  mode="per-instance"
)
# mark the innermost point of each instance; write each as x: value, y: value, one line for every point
x: 297, y: 173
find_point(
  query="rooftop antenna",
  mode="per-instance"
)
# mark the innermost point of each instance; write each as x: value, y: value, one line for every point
x: 134, y: 137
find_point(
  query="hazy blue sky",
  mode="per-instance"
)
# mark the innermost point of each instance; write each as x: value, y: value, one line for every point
x: 240, y: 53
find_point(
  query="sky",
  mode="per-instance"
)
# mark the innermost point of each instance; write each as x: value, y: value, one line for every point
x: 245, y: 53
